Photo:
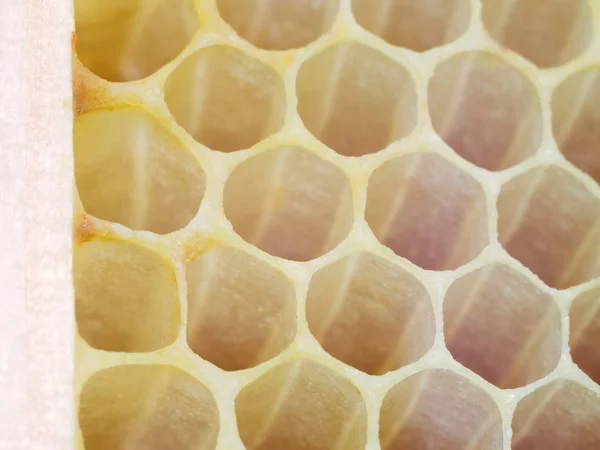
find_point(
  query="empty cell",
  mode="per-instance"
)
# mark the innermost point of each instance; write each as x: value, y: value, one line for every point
x: 301, y: 405
x: 370, y: 313
x: 279, y: 25
x: 226, y: 99
x: 502, y: 327
x: 125, y: 297
x: 428, y: 211
x: 485, y: 110
x: 547, y: 32
x: 559, y: 416
x: 241, y: 311
x: 289, y: 203
x: 414, y: 24
x: 147, y: 407
x: 585, y: 332
x: 129, y: 169
x: 126, y: 40
x: 355, y: 99
x: 438, y: 409
x: 548, y: 220
x: 576, y: 120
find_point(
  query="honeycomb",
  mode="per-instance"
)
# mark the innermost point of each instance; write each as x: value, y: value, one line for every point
x: 337, y: 224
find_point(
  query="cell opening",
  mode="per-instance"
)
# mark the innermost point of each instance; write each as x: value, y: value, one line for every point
x: 585, y: 332
x: 439, y: 409
x: 485, y: 110
x: 414, y: 24
x: 129, y: 169
x: 301, y: 405
x: 126, y: 40
x: 427, y: 210
x: 502, y: 327
x: 576, y: 120
x: 289, y: 203
x: 547, y: 32
x: 550, y: 222
x: 355, y: 99
x: 370, y: 314
x: 226, y: 99
x: 560, y: 415
x: 125, y: 297
x: 241, y: 311
x: 277, y: 25
x: 147, y: 407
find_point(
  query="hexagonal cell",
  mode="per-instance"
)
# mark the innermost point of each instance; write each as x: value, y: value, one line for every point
x: 301, y: 405
x: 585, y: 332
x: 289, y: 203
x: 428, y: 211
x: 147, y: 407
x: 485, y: 110
x: 502, y: 327
x: 126, y: 297
x: 561, y: 415
x: 547, y: 32
x: 438, y: 409
x: 241, y: 311
x: 129, y: 169
x: 548, y: 220
x: 125, y: 40
x: 576, y: 120
x: 226, y: 99
x: 369, y: 313
x: 355, y: 99
x: 277, y: 25
x: 414, y: 24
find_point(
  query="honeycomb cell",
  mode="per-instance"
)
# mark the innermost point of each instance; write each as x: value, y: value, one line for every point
x: 585, y: 332
x: 428, y: 211
x: 547, y: 32
x: 502, y: 327
x: 438, y: 409
x: 549, y: 221
x: 301, y: 405
x: 289, y: 203
x: 147, y: 407
x: 561, y: 415
x: 241, y: 311
x: 126, y: 40
x: 355, y: 99
x: 576, y: 120
x: 126, y: 297
x: 415, y: 24
x: 370, y: 313
x: 485, y: 110
x: 226, y: 99
x: 129, y: 169
x: 279, y: 25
